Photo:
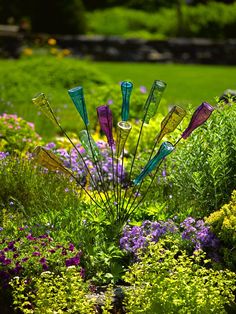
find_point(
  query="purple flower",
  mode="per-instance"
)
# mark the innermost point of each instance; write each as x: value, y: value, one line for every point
x: 71, y: 247
x: 3, y: 155
x: 50, y: 145
x: 82, y: 272
x: 73, y: 261
x: 45, y: 267
x: 36, y: 253
x: 30, y: 237
x: 143, y: 89
x: 6, y: 261
x: 10, y: 245
x: 42, y: 260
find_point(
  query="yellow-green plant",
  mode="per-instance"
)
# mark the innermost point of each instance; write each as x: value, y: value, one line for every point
x: 169, y: 281
x: 54, y: 294
x: 223, y: 223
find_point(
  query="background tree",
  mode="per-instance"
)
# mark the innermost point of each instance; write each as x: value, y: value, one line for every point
x: 49, y: 16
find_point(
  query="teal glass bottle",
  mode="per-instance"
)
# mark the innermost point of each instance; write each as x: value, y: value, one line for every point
x: 165, y: 149
x: 77, y: 96
x: 126, y: 89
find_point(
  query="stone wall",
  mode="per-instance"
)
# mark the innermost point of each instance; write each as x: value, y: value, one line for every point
x: 100, y: 48
x: 179, y: 50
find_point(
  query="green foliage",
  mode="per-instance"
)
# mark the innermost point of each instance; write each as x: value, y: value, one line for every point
x: 111, y: 94
x: 148, y: 5
x: 31, y: 191
x: 129, y: 22
x: 214, y: 20
x: 97, y: 238
x: 17, y: 135
x: 223, y: 223
x: 21, y: 80
x: 201, y: 172
x: 169, y: 281
x: 50, y: 293
x: 30, y: 195
x: 27, y: 254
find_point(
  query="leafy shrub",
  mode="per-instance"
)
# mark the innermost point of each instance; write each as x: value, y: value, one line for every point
x: 31, y: 191
x: 111, y: 95
x: 48, y: 72
x: 214, y: 20
x: 51, y: 293
x: 169, y: 281
x: 17, y: 135
x: 129, y: 22
x: 200, y: 175
x: 223, y: 223
x: 194, y: 233
x: 22, y: 79
x: 29, y: 255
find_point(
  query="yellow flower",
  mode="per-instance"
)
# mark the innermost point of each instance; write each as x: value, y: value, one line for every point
x: 54, y: 51
x: 27, y: 52
x: 66, y: 52
x: 52, y: 41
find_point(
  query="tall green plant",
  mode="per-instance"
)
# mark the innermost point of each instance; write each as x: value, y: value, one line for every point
x: 24, y: 188
x: 201, y: 173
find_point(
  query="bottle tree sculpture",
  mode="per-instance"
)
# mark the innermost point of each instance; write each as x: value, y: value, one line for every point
x: 122, y: 199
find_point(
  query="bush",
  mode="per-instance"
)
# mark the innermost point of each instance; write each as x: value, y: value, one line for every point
x: 31, y: 191
x: 214, y: 20
x: 169, y: 281
x: 194, y: 235
x: 129, y: 22
x: 28, y: 255
x: 223, y: 223
x: 22, y: 79
x: 111, y: 95
x: 51, y: 293
x: 200, y: 174
x: 17, y: 135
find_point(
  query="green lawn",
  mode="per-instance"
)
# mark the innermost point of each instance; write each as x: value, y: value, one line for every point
x: 21, y: 79
x: 185, y: 83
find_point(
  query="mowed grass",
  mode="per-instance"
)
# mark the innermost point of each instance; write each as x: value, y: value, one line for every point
x: 21, y: 79
x: 186, y: 84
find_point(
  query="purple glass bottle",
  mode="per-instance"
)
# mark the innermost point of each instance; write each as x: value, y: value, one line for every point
x: 201, y: 114
x: 105, y: 121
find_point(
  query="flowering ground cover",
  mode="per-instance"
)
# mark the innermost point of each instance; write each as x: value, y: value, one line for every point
x: 68, y: 227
